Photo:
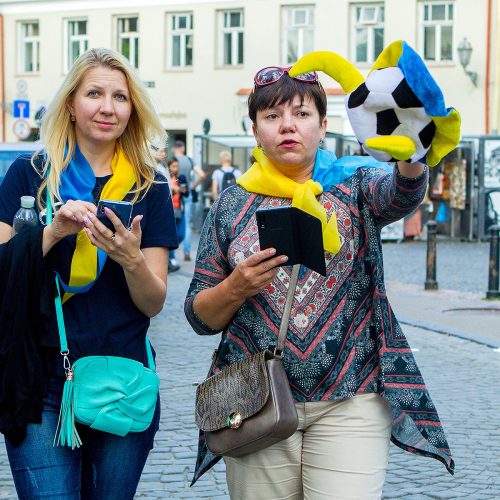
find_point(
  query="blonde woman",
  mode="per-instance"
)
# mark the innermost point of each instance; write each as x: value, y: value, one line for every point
x: 96, y: 134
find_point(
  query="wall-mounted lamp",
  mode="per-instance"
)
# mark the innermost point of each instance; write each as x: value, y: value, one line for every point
x: 206, y: 126
x: 464, y: 50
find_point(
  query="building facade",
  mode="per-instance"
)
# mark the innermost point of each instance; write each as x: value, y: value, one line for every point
x: 198, y: 58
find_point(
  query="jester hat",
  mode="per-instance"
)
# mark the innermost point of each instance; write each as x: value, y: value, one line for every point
x: 398, y: 112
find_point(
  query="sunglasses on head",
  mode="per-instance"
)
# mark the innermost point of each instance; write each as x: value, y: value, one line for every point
x: 272, y: 74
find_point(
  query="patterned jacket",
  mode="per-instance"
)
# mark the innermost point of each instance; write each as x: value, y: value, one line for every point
x: 343, y: 338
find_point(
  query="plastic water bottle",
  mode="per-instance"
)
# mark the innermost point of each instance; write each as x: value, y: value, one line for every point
x: 26, y: 216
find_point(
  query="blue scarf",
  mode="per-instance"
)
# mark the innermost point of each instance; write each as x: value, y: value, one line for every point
x: 330, y: 170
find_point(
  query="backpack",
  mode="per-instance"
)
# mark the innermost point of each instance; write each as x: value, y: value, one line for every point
x: 228, y: 179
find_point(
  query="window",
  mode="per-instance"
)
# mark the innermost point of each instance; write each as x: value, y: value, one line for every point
x: 29, y: 45
x: 128, y: 39
x: 231, y: 25
x: 181, y: 40
x: 368, y: 32
x: 437, y: 35
x: 77, y: 41
x: 298, y: 32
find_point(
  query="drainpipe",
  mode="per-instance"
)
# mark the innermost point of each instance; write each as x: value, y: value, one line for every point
x: 487, y: 79
x: 2, y: 81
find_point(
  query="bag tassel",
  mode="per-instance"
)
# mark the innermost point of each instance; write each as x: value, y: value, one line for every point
x: 66, y: 433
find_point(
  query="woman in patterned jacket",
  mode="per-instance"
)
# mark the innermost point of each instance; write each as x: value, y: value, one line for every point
x: 350, y: 368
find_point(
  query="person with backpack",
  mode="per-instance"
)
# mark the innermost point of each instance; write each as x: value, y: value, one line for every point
x: 225, y: 176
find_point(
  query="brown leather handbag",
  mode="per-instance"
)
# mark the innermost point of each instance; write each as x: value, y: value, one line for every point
x: 248, y: 406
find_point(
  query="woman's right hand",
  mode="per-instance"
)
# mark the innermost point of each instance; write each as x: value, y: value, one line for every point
x: 71, y: 218
x: 254, y: 273
x: 217, y: 305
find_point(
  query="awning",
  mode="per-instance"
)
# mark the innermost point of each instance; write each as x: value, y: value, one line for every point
x: 241, y: 141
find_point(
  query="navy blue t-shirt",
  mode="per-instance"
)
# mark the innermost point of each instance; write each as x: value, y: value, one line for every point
x: 104, y: 320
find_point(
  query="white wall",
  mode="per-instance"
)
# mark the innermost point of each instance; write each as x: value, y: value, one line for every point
x: 186, y: 98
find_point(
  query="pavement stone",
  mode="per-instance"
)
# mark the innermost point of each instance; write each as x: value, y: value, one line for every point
x: 462, y: 377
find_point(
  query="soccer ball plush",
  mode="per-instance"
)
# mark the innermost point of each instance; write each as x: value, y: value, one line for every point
x: 398, y: 112
x: 385, y: 105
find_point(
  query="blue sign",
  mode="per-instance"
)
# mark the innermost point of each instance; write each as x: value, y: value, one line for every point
x: 21, y: 109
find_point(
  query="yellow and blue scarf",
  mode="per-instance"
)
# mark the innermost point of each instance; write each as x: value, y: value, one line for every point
x: 77, y: 183
x: 264, y: 178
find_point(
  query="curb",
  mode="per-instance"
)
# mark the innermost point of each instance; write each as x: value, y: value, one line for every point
x: 445, y: 331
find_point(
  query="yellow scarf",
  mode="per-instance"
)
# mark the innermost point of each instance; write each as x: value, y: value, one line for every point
x: 264, y: 178
x: 84, y: 261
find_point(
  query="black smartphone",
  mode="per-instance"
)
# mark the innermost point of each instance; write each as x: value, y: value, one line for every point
x: 122, y: 209
x: 294, y: 233
x: 275, y: 226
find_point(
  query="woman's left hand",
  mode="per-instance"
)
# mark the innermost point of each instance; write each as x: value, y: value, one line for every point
x: 122, y: 245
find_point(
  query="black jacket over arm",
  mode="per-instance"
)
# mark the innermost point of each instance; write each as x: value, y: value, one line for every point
x: 25, y: 310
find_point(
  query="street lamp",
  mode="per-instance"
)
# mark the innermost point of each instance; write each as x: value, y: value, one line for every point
x: 464, y: 50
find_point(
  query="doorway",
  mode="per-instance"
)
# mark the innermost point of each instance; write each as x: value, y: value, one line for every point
x: 175, y: 135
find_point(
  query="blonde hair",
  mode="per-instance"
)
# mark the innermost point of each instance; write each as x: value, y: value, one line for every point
x: 57, y: 131
x: 225, y: 156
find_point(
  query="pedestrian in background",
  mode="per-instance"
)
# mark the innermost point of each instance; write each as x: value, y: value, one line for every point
x: 96, y: 135
x: 194, y: 175
x: 225, y: 176
x: 351, y: 371
x: 179, y: 190
x: 160, y: 155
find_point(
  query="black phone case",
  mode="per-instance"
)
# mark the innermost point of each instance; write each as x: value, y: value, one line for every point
x: 294, y: 233
x: 122, y: 209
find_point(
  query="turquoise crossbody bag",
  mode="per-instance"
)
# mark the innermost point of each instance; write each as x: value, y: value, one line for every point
x: 107, y: 393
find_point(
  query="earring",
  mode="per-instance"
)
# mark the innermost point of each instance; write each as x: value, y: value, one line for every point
x: 73, y: 118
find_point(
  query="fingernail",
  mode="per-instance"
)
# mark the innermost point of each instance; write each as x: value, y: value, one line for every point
x: 284, y: 258
x: 90, y: 215
x: 85, y: 220
x: 272, y: 251
x: 74, y: 218
x: 107, y: 210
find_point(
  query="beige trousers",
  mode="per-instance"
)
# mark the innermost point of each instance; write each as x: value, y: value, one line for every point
x: 339, y: 451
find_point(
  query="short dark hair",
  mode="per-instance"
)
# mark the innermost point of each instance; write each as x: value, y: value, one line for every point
x: 285, y: 90
x: 179, y: 144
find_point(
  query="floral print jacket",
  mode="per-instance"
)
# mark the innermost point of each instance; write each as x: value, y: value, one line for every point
x: 343, y: 337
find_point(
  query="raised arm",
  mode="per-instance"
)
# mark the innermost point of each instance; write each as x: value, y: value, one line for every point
x: 200, y: 176
x: 392, y: 196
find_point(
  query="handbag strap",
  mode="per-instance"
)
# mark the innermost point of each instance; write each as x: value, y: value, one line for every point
x: 60, y: 317
x: 280, y: 345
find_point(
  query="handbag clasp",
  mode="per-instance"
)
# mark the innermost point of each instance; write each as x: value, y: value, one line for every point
x: 67, y: 365
x: 234, y: 420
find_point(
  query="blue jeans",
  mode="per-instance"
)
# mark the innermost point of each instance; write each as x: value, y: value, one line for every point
x: 180, y: 226
x: 188, y: 204
x: 105, y: 467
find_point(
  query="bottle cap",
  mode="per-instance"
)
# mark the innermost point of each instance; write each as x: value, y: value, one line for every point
x: 27, y: 201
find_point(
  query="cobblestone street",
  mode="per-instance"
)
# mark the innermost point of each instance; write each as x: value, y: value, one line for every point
x: 463, y: 378
x: 460, y: 266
